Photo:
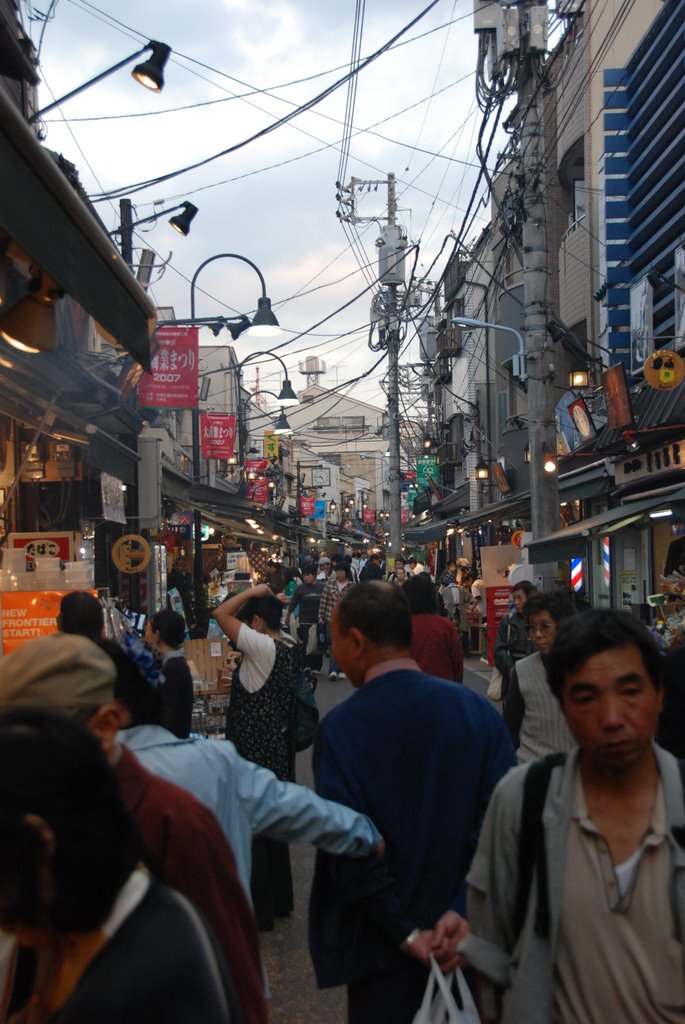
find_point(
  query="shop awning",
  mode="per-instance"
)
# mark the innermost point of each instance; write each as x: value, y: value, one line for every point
x: 425, y: 532
x: 48, y: 220
x: 571, y: 541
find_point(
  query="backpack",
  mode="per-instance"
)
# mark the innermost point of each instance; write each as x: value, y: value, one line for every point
x: 532, y: 855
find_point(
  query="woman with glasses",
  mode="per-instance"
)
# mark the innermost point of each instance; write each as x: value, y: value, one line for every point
x: 531, y: 712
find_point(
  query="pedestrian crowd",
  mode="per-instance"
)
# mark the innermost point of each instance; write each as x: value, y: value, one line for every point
x: 539, y: 850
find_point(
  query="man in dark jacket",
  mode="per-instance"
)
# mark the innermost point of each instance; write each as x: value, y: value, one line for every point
x: 372, y: 570
x: 423, y: 755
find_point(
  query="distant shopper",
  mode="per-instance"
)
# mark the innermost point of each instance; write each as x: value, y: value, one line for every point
x: 304, y: 603
x: 513, y: 642
x: 531, y: 712
x: 435, y: 642
x: 325, y: 568
x: 332, y: 591
x: 392, y: 575
x: 81, y: 613
x: 178, y: 590
x: 372, y: 570
x: 449, y: 576
x: 167, y: 630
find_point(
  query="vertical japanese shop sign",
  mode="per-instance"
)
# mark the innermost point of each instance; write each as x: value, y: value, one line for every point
x: 270, y: 446
x: 217, y: 436
x: 173, y: 382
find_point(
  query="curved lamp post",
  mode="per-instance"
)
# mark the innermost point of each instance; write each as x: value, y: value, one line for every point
x: 467, y: 321
x: 264, y: 324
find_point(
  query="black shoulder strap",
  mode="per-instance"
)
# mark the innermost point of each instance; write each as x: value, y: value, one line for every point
x: 531, y: 850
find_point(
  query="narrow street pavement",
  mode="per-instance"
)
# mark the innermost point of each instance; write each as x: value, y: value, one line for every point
x: 295, y: 998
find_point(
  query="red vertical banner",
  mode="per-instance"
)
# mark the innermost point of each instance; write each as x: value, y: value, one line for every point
x: 369, y: 515
x: 217, y: 436
x: 173, y: 380
x: 307, y: 506
x: 258, y: 491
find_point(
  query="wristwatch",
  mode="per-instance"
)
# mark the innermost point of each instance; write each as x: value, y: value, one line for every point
x: 410, y: 939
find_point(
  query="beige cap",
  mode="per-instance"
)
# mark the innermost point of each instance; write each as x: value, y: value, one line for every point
x: 61, y: 670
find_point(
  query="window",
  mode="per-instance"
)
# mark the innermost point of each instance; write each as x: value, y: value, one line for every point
x: 328, y: 423
x: 578, y: 200
x: 353, y: 422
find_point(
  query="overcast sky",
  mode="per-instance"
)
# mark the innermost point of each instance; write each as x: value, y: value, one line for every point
x: 234, y: 71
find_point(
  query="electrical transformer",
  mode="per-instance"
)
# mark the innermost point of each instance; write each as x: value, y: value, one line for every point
x: 391, y: 248
x: 485, y: 15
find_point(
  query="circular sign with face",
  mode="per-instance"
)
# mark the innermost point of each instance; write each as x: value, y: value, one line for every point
x: 664, y: 369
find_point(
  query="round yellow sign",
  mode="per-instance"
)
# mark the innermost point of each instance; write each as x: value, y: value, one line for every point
x: 131, y: 553
x: 664, y: 369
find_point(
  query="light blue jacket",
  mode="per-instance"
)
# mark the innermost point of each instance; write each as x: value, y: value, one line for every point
x: 247, y: 799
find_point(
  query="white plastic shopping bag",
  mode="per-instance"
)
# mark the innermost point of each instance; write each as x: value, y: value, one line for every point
x: 439, y: 1005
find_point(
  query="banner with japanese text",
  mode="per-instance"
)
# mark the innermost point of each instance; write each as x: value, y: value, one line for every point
x: 173, y: 382
x: 369, y: 515
x: 256, y: 466
x: 217, y: 436
x: 258, y: 491
x: 307, y: 506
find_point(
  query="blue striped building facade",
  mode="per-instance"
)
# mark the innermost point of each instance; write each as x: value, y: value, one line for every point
x: 644, y: 131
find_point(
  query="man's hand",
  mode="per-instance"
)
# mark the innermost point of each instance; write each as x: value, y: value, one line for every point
x: 447, y: 934
x: 421, y: 947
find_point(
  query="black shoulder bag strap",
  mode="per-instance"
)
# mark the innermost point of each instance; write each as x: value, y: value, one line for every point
x: 531, y: 848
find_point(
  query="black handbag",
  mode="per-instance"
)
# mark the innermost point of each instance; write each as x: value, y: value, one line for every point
x: 306, y: 711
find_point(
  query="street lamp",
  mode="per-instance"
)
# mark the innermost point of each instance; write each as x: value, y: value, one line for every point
x: 264, y: 320
x: 150, y: 74
x: 181, y: 222
x: 519, y: 370
x: 286, y: 398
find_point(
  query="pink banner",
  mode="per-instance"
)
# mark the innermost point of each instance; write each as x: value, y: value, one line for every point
x: 217, y: 436
x: 307, y: 506
x: 173, y: 382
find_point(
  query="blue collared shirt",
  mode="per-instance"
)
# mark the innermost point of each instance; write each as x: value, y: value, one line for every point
x: 246, y: 798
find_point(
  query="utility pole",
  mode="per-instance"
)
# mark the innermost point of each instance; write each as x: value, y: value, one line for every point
x: 544, y: 489
x: 393, y: 341
x: 391, y: 247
